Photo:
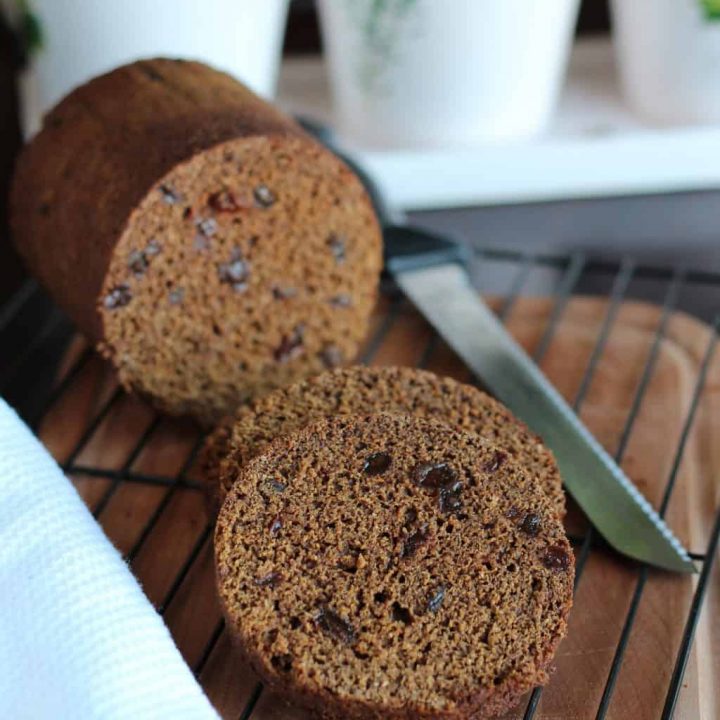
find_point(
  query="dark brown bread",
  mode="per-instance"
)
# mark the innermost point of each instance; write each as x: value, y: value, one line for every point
x: 361, y: 389
x: 392, y: 567
x: 199, y: 236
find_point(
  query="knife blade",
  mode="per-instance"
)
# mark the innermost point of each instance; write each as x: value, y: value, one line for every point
x: 431, y: 271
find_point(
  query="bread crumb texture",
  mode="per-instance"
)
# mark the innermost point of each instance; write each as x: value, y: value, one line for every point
x: 391, y: 567
x: 359, y: 390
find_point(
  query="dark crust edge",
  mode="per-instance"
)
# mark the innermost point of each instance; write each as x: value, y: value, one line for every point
x: 487, y: 703
x: 212, y: 451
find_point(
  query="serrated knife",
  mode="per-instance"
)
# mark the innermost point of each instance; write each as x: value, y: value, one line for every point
x: 431, y: 271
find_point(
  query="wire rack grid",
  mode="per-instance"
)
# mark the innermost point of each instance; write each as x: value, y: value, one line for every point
x: 34, y: 336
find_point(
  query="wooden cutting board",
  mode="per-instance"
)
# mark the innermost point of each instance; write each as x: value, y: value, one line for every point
x: 129, y: 438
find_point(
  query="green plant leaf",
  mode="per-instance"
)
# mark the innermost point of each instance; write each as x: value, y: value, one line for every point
x: 711, y: 8
x: 29, y: 28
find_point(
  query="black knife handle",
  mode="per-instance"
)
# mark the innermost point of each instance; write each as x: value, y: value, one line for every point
x: 410, y: 248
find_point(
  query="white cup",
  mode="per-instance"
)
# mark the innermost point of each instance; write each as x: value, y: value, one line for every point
x: 669, y: 59
x: 438, y: 73
x: 84, y: 38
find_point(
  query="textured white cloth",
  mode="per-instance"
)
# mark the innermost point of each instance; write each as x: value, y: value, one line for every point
x: 78, y: 638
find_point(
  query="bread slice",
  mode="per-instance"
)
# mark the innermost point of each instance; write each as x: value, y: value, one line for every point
x: 361, y: 389
x: 392, y: 567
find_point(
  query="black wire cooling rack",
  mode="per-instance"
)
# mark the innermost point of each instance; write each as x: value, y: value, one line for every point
x: 34, y: 336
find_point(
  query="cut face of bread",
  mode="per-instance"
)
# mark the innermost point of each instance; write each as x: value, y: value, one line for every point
x: 242, y: 269
x: 387, y: 566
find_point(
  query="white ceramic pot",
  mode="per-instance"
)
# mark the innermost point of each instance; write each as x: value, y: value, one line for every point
x: 669, y: 59
x: 83, y: 38
x: 439, y: 73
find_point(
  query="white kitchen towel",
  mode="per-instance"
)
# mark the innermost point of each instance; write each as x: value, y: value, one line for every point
x: 78, y: 638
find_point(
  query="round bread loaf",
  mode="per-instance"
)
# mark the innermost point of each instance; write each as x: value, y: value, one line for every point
x: 358, y: 390
x: 391, y: 567
x: 209, y: 246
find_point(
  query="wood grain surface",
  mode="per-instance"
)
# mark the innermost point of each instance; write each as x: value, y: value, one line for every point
x: 130, y: 471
